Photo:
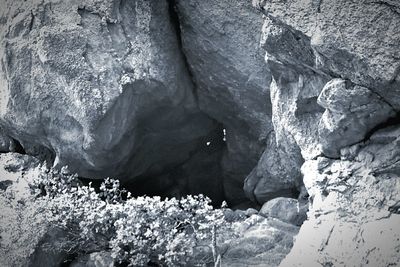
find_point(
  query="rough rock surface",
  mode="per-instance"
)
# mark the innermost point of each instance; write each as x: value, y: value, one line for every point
x: 286, y: 209
x: 18, y: 243
x: 221, y: 42
x: 252, y: 241
x: 276, y: 174
x: 261, y: 242
x: 355, y: 212
x: 299, y: 89
x: 334, y: 85
x: 354, y: 40
x: 100, y: 84
x: 349, y: 114
x: 313, y: 111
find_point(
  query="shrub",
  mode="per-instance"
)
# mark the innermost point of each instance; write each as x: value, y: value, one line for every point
x: 137, y: 230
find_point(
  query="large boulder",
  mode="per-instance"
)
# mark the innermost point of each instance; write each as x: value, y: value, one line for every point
x: 249, y: 241
x: 259, y: 242
x: 221, y: 43
x: 288, y: 210
x: 295, y: 88
x: 294, y: 92
x: 329, y: 89
x: 354, y: 40
x: 102, y: 85
x: 277, y: 174
x: 351, y: 112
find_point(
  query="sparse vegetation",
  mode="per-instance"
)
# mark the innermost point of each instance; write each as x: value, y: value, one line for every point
x: 136, y: 230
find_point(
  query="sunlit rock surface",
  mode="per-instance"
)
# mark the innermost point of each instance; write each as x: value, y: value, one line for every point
x: 335, y: 98
x: 355, y: 212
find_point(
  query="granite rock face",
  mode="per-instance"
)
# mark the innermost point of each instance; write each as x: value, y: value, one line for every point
x: 282, y: 99
x: 366, y: 93
x: 327, y: 92
x: 101, y: 85
x: 354, y: 40
x: 221, y: 43
x: 139, y: 90
x: 355, y: 212
x: 334, y: 94
x: 275, y: 175
x: 349, y: 114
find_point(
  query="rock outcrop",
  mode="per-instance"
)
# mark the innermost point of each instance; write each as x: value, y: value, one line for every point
x: 102, y: 85
x: 354, y: 40
x: 269, y: 103
x: 354, y: 218
x: 314, y: 112
x: 221, y: 42
x: 335, y: 84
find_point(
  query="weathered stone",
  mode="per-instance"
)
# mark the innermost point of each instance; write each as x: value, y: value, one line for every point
x: 276, y: 174
x: 288, y: 210
x: 250, y: 211
x: 100, y: 84
x: 294, y: 89
x: 260, y: 242
x: 221, y: 43
x: 296, y: 113
x: 354, y: 40
x: 353, y: 219
x: 350, y: 114
x: 252, y: 241
x: 300, y: 91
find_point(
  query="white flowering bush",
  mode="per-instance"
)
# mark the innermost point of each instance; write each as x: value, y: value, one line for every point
x: 137, y: 230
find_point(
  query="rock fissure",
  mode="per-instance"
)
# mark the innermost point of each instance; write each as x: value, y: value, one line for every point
x: 175, y: 20
x: 391, y: 121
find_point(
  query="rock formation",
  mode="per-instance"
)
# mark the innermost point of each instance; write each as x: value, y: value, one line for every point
x: 354, y: 220
x: 102, y: 85
x: 334, y: 94
x: 285, y: 105
x: 221, y: 42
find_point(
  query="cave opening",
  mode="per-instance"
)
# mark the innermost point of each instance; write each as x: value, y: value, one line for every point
x: 200, y: 173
